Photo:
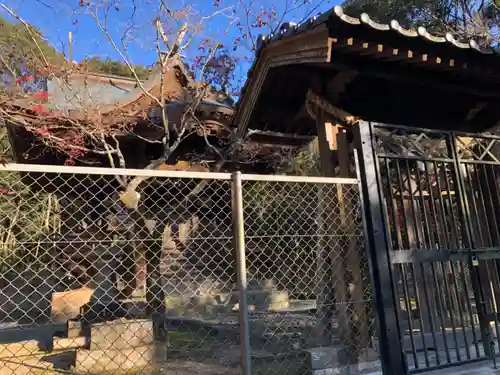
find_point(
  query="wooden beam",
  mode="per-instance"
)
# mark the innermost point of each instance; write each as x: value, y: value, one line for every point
x: 332, y: 111
x: 392, y: 72
x: 271, y: 134
x: 337, y: 86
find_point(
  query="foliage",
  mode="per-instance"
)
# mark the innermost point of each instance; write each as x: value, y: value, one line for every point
x: 219, y: 70
x: 25, y: 50
x: 26, y: 218
x: 113, y: 67
x: 281, y: 220
x: 25, y: 47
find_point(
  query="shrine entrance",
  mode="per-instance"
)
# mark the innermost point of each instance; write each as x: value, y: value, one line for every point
x: 433, y: 203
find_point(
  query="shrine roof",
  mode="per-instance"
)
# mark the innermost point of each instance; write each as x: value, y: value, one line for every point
x: 365, y: 23
x: 423, y: 67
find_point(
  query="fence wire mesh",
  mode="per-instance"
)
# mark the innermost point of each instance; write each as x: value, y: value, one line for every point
x: 309, y: 292
x: 91, y: 286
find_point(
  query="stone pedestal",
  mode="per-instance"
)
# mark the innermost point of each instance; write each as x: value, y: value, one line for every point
x: 118, y: 346
x: 67, y: 305
x: 121, y: 334
x: 121, y: 361
x: 334, y: 360
x: 327, y: 360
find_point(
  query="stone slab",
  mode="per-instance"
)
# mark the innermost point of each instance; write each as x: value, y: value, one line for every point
x: 20, y: 349
x: 66, y: 305
x: 326, y: 358
x: 483, y: 368
x: 27, y: 366
x: 126, y: 360
x: 121, y: 334
x: 68, y: 343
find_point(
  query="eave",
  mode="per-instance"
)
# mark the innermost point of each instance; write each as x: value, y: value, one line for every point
x: 386, y: 51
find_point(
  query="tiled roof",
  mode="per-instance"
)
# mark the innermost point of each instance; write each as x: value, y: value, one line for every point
x: 339, y: 19
x: 337, y: 13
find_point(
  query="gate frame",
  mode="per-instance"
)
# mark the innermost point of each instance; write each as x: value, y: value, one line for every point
x: 392, y: 356
x: 382, y: 259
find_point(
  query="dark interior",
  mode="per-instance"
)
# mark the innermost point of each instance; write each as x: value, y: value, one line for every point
x: 381, y: 92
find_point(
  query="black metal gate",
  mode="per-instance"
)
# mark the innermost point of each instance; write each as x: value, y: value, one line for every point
x: 433, y: 215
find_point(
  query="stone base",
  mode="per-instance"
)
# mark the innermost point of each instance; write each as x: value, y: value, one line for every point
x: 26, y: 366
x: 121, y: 334
x: 334, y: 371
x: 20, y: 349
x: 333, y: 361
x: 67, y: 305
x: 60, y: 344
x: 326, y: 358
x: 125, y: 360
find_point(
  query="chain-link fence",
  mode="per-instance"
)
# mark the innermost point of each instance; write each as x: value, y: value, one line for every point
x: 156, y: 272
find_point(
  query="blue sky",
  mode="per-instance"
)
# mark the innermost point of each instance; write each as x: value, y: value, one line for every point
x: 56, y: 18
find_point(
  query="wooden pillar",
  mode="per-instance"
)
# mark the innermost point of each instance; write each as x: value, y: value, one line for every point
x: 155, y: 295
x: 334, y: 294
x: 357, y: 276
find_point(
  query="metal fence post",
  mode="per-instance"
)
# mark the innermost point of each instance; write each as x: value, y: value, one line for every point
x: 241, y: 271
x: 391, y: 348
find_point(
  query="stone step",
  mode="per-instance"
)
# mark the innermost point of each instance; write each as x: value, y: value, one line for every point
x: 33, y: 347
x: 121, y: 334
x: 20, y: 349
x: 60, y: 344
x: 125, y: 360
x: 27, y: 366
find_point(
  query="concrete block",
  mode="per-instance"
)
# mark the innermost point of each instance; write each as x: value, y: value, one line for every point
x: 66, y: 305
x: 68, y: 344
x: 125, y: 360
x: 333, y: 371
x: 326, y: 358
x: 135, y: 309
x: 121, y: 334
x: 27, y: 366
x: 368, y: 355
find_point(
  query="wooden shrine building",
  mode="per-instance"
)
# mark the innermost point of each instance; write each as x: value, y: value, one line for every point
x: 419, y: 110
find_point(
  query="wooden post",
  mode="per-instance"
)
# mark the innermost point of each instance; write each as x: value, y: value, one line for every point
x: 359, y: 319
x: 333, y: 291
x: 155, y: 295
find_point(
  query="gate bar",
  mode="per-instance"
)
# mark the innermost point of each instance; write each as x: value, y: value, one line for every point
x: 391, y: 351
x: 484, y: 324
